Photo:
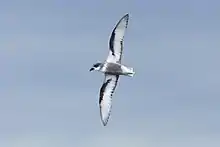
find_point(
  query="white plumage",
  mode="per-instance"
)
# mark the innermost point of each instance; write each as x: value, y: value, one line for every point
x: 112, y: 68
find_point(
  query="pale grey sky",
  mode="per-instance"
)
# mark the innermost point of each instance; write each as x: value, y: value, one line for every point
x: 48, y: 98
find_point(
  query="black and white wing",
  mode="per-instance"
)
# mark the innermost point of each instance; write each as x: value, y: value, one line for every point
x: 116, y: 40
x: 105, y: 97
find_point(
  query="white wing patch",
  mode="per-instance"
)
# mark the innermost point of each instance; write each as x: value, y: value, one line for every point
x: 116, y: 40
x: 105, y: 98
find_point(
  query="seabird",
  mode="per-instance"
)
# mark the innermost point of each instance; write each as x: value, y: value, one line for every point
x: 112, y: 68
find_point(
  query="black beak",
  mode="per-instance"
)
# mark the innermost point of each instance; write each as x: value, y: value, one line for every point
x: 91, y: 69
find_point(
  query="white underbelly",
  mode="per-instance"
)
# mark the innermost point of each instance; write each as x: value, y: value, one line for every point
x: 117, y: 69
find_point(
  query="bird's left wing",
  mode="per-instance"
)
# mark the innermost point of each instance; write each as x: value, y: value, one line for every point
x: 116, y: 40
x: 105, y: 97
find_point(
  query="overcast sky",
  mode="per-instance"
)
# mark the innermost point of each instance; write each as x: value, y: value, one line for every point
x: 48, y: 98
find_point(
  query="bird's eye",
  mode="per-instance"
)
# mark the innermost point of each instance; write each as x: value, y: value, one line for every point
x: 96, y: 65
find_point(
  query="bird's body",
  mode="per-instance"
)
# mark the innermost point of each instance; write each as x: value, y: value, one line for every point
x: 112, y: 68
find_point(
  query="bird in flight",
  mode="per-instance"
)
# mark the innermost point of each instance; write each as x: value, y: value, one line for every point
x: 112, y: 68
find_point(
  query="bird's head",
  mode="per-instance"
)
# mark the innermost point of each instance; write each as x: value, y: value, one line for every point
x: 96, y: 66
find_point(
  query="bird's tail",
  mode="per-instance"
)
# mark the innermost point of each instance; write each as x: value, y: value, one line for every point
x: 131, y: 73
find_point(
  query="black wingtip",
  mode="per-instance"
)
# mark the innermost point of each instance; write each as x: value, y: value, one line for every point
x: 104, y: 123
x: 126, y: 15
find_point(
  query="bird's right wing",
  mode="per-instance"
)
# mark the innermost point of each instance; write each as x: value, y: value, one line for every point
x: 105, y: 97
